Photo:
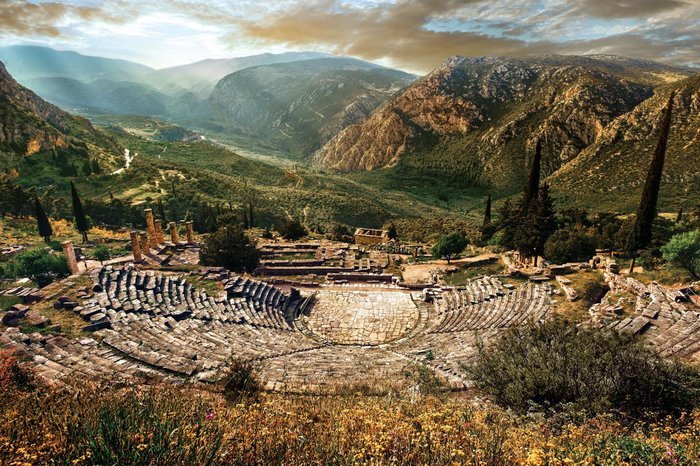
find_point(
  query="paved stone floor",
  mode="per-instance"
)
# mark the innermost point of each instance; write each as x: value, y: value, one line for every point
x: 362, y: 317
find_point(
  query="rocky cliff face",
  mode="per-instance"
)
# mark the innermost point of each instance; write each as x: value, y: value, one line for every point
x: 298, y: 106
x: 480, y: 118
x: 29, y: 125
x: 611, y: 171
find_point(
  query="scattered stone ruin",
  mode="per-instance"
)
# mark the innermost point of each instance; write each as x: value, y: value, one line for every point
x: 360, y: 328
x: 370, y: 236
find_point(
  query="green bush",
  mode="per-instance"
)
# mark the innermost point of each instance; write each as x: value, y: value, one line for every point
x: 101, y: 253
x: 683, y: 250
x: 292, y: 230
x: 555, y: 365
x: 569, y: 245
x: 43, y: 266
x: 449, y: 246
x: 230, y: 247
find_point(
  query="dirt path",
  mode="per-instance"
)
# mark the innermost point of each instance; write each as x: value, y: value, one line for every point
x: 420, y: 273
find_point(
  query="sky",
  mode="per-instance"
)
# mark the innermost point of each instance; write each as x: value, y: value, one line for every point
x: 413, y: 35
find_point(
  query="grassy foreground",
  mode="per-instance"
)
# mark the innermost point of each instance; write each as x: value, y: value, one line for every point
x: 173, y: 426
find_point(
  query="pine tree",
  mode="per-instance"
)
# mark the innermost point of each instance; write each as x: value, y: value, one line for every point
x: 533, y: 182
x: 81, y: 223
x: 646, y: 213
x: 487, y: 211
x: 43, y: 223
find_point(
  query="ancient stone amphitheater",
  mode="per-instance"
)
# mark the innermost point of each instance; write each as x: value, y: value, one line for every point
x: 150, y: 327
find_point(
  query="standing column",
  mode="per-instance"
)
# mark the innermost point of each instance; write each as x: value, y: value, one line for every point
x: 174, y: 237
x: 69, y: 252
x: 135, y: 246
x: 159, y: 233
x: 144, y: 243
x: 190, y: 232
x: 151, y: 227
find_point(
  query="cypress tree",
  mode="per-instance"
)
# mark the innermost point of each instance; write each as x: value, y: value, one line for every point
x: 533, y: 182
x: 81, y: 223
x: 96, y: 169
x: 87, y: 168
x: 251, y: 219
x: 161, y: 211
x: 487, y: 211
x: 646, y: 213
x: 43, y: 223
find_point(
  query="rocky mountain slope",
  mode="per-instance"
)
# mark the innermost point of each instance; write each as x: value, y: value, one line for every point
x: 611, y: 171
x: 29, y: 125
x: 298, y: 106
x: 479, y: 118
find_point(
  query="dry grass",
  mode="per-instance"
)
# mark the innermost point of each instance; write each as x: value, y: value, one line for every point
x: 164, y: 425
x: 589, y: 285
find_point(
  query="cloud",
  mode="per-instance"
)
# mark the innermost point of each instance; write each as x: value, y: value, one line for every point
x: 395, y: 32
x: 23, y: 19
x: 627, y: 8
x: 418, y: 35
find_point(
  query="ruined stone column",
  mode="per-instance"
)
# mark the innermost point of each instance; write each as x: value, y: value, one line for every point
x: 151, y: 226
x: 69, y: 252
x: 190, y: 232
x: 144, y: 243
x: 174, y: 238
x: 159, y: 233
x: 135, y: 246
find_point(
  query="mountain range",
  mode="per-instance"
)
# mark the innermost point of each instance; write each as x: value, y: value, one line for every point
x: 479, y: 119
x: 472, y: 122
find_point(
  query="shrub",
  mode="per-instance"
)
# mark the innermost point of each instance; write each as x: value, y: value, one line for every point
x: 40, y: 265
x: 683, y: 250
x: 292, y: 230
x: 12, y: 373
x: 450, y: 245
x: 102, y: 253
x: 569, y: 245
x: 241, y: 380
x: 340, y: 232
x: 231, y: 248
x: 556, y: 364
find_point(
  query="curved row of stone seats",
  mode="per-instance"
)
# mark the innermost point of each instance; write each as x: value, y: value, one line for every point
x: 529, y: 303
x: 476, y: 291
x: 269, y: 303
x: 62, y: 359
x: 654, y: 301
x: 682, y: 339
x: 194, y: 347
x: 447, y: 352
x: 132, y: 291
